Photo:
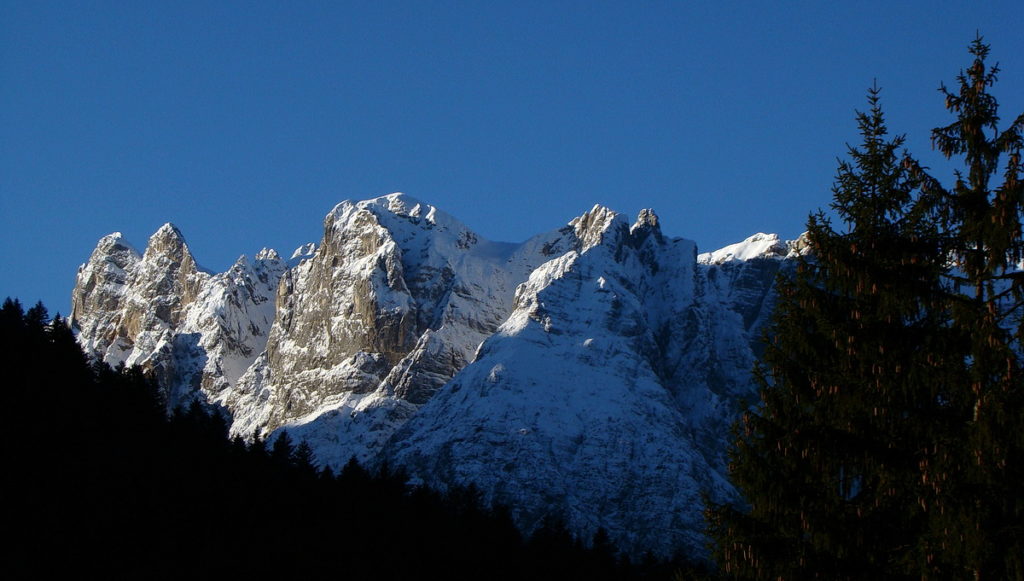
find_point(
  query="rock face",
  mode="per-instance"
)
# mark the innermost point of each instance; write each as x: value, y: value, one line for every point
x: 196, y: 331
x: 98, y: 295
x: 394, y: 302
x: 591, y: 372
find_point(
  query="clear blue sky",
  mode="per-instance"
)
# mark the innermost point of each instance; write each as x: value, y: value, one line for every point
x: 244, y: 123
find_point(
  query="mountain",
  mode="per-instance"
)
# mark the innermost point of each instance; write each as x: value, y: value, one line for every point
x: 195, y: 330
x: 590, y: 373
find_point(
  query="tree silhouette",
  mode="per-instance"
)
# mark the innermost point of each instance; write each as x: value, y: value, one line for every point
x: 888, y: 441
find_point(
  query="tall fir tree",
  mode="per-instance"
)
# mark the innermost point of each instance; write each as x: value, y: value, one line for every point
x: 979, y: 533
x: 889, y: 440
x: 828, y: 463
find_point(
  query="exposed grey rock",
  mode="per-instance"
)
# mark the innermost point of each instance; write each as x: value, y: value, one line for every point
x: 195, y: 331
x: 98, y: 293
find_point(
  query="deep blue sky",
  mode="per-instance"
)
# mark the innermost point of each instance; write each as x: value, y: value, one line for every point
x: 244, y: 123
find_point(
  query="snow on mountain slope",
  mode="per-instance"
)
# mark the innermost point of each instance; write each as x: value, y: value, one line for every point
x: 591, y: 372
x: 607, y: 394
x: 230, y: 320
x: 757, y: 246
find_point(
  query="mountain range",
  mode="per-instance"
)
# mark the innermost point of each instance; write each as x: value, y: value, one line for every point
x: 590, y: 374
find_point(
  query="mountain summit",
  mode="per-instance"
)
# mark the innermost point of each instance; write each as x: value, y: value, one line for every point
x: 590, y: 373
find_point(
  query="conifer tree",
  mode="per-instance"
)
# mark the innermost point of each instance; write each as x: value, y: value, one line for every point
x: 979, y: 531
x: 828, y: 463
x: 37, y: 316
x: 282, y: 450
x: 889, y: 440
x: 304, y: 459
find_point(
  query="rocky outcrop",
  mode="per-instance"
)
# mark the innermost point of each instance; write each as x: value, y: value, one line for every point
x: 195, y: 331
x: 96, y: 300
x: 230, y: 321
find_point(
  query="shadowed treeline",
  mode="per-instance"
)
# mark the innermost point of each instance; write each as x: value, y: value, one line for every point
x: 100, y: 481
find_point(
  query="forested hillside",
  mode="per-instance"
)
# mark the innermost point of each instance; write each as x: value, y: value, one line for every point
x: 100, y: 481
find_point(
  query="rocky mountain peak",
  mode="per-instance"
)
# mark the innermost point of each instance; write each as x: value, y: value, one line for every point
x: 100, y: 286
x: 241, y: 263
x: 593, y: 227
x: 646, y: 219
x: 303, y: 252
x: 802, y: 245
x: 114, y: 243
x: 113, y: 249
x: 759, y: 245
x: 166, y: 280
x: 268, y: 254
x: 646, y: 225
x: 167, y: 237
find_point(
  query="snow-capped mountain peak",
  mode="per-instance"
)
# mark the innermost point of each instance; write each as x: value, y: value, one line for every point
x: 594, y: 226
x: 167, y: 231
x: 268, y: 254
x: 591, y: 371
x: 759, y: 245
